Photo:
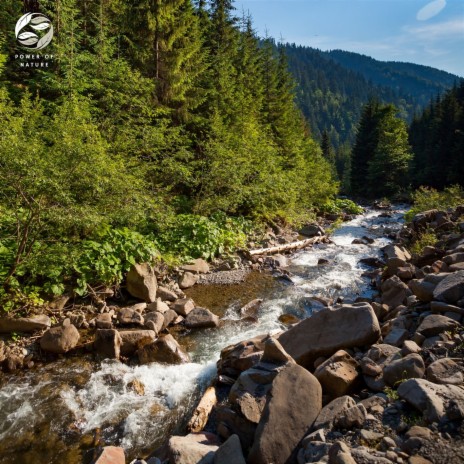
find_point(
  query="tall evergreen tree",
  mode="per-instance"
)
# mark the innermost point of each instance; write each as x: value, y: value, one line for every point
x: 367, y: 139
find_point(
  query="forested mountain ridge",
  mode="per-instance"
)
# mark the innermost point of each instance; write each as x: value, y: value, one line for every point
x: 333, y: 87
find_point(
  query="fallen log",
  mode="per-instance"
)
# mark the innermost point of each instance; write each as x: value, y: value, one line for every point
x: 288, y: 246
x: 203, y: 410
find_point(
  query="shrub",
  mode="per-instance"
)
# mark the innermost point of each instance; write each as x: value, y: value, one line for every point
x: 426, y: 198
x: 426, y: 239
x: 341, y: 205
x: 192, y: 236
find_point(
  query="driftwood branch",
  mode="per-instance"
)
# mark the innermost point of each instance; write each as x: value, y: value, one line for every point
x: 288, y: 246
x: 201, y: 414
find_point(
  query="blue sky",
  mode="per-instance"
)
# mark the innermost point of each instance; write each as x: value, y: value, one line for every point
x: 419, y: 31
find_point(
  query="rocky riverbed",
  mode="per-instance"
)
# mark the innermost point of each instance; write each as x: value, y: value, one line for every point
x: 373, y: 375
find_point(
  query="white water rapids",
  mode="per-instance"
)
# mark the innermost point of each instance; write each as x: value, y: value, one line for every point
x: 67, y: 400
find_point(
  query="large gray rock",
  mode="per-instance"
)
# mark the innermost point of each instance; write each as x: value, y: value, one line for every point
x: 141, y: 282
x: 431, y: 399
x: 329, y: 330
x: 436, y: 324
x: 107, y: 343
x: 230, y: 452
x: 295, y: 401
x: 445, y: 371
x: 133, y: 340
x: 394, y: 292
x: 166, y: 294
x: 333, y: 411
x: 164, y: 350
x: 422, y: 289
x: 410, y: 367
x: 24, y: 324
x: 201, y: 318
x: 451, y: 288
x: 60, y: 339
x: 192, y: 449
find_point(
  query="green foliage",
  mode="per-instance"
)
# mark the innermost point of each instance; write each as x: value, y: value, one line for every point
x: 193, y: 236
x: 381, y: 155
x: 106, y: 259
x: 391, y: 393
x: 155, y: 117
x: 427, y: 198
x: 341, y: 205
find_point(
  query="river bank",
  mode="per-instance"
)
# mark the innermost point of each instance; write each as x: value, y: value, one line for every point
x: 104, y: 406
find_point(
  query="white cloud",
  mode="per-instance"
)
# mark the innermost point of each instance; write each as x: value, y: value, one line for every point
x: 430, y: 10
x: 453, y: 29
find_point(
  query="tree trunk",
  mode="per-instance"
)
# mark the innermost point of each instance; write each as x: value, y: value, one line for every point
x: 201, y: 414
x: 288, y: 246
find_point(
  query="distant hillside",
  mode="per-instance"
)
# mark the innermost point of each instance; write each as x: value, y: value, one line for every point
x: 333, y: 86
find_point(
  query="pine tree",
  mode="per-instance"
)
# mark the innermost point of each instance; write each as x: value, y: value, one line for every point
x: 367, y: 139
x: 388, y: 169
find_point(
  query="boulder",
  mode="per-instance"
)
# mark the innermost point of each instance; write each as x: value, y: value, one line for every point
x: 423, y: 290
x: 60, y: 339
x: 169, y: 318
x: 251, y: 308
x: 454, y: 258
x: 231, y: 422
x: 436, y: 324
x: 339, y: 453
x: 237, y: 358
x: 431, y: 399
x: 410, y: 367
x: 111, y: 455
x: 187, y: 280
x: 396, y: 336
x: 201, y: 318
x: 24, y: 324
x: 394, y: 292
x: 313, y: 451
x: 409, y: 347
x: 230, y: 452
x: 104, y: 321
x: 183, y: 306
x: 338, y: 374
x: 133, y: 340
x: 445, y: 371
x: 158, y: 306
x: 379, y: 355
x: 333, y: 411
x: 329, y: 330
x: 154, y: 321
x: 353, y: 417
x: 107, y: 343
x: 198, y: 266
x: 130, y: 316
x: 141, y: 282
x: 398, y: 252
x: 164, y: 350
x: 451, y: 288
x: 165, y: 294
x: 274, y: 353
x: 311, y: 230
x: 295, y: 400
x: 192, y: 449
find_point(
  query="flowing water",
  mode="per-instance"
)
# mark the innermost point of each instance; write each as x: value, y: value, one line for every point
x: 59, y: 412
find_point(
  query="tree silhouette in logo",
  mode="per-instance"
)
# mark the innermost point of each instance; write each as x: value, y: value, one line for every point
x: 38, y: 23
